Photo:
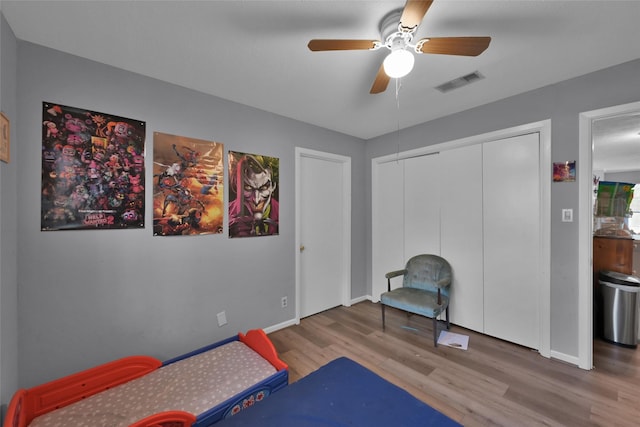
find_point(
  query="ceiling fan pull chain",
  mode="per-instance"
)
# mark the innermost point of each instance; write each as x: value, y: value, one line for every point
x: 398, y: 85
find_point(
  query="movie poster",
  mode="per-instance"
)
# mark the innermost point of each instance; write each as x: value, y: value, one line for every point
x: 253, y: 195
x: 188, y: 196
x: 92, y: 170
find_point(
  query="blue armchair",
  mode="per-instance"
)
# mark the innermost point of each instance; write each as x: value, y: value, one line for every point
x: 424, y: 291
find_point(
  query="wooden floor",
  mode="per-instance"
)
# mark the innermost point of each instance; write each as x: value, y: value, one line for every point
x: 493, y: 383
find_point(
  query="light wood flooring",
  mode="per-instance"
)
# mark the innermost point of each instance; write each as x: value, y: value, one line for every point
x: 493, y: 383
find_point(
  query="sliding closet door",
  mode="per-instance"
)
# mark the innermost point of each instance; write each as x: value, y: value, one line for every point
x: 511, y: 205
x: 422, y: 205
x: 387, y: 223
x: 461, y: 232
x: 405, y: 216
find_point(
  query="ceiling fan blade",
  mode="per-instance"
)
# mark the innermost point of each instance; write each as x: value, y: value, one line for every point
x: 335, y: 44
x: 413, y: 13
x: 465, y: 46
x: 381, y: 82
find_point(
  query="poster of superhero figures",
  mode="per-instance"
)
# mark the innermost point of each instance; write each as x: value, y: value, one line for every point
x: 253, y: 195
x: 188, y: 196
x: 92, y: 170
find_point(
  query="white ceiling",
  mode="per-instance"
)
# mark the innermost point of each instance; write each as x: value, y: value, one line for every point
x: 616, y: 143
x: 255, y: 52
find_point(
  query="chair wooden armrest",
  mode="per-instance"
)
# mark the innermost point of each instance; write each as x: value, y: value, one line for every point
x: 443, y: 283
x: 396, y: 273
x: 393, y: 274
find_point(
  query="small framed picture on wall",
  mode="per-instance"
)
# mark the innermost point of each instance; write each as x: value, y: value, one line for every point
x: 5, y: 136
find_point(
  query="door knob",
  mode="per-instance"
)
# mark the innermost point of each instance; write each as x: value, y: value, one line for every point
x: 301, y: 248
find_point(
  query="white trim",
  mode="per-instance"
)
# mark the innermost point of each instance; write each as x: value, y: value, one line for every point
x: 565, y: 358
x: 346, y: 220
x: 360, y: 299
x: 585, y: 228
x: 546, y: 176
x: 282, y: 325
x: 544, y: 129
x: 296, y: 321
x: 541, y: 126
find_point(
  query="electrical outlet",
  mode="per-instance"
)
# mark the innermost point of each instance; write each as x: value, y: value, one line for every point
x: 284, y: 302
x: 222, y: 318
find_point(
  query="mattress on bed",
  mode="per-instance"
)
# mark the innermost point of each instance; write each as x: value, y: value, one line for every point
x: 194, y: 385
x: 341, y: 393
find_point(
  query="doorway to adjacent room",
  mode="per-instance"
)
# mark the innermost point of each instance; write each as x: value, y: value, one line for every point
x: 585, y: 247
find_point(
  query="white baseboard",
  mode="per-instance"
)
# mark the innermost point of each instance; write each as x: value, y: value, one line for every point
x: 282, y: 325
x: 360, y: 299
x: 565, y: 358
x: 292, y: 322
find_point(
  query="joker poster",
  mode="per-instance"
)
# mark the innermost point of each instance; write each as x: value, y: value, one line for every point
x: 92, y: 170
x: 188, y: 196
x: 254, y: 208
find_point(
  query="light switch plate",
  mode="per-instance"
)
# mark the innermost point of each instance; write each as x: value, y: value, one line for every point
x: 567, y: 215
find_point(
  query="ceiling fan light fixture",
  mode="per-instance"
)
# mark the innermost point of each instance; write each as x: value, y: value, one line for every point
x: 398, y: 63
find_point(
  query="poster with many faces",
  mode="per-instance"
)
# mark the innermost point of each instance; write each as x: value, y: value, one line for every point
x: 93, y: 171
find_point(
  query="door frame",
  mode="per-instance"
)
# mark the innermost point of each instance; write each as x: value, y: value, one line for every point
x: 585, y: 227
x: 345, y: 162
x: 544, y: 129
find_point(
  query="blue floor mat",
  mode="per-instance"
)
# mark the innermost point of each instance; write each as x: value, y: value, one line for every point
x: 341, y: 393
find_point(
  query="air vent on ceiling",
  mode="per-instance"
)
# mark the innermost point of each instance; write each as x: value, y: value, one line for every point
x: 459, y: 82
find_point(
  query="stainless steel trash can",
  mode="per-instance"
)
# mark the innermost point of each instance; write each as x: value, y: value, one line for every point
x: 620, y: 308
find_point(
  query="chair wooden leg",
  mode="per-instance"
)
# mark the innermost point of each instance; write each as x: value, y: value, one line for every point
x: 435, y: 331
x: 447, y: 311
x: 382, y: 306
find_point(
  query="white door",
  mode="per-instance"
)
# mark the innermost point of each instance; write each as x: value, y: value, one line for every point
x: 461, y: 232
x: 512, y: 265
x: 324, y: 229
x: 422, y: 206
x: 405, y: 215
x: 387, y: 223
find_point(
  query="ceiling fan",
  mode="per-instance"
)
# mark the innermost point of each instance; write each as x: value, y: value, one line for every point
x: 397, y: 30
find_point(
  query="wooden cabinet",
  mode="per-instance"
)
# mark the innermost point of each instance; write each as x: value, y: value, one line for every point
x: 613, y: 254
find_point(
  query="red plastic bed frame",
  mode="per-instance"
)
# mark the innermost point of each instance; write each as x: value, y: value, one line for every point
x: 27, y: 404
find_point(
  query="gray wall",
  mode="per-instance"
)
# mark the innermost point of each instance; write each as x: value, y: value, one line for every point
x: 87, y: 297
x: 8, y: 219
x: 562, y: 103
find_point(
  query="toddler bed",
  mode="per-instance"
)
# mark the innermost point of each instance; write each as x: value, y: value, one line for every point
x: 196, y: 389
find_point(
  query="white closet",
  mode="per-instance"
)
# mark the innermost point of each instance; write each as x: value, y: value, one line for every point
x: 511, y: 212
x: 462, y: 231
x: 388, y: 223
x: 421, y: 206
x: 408, y: 214
x: 479, y: 207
